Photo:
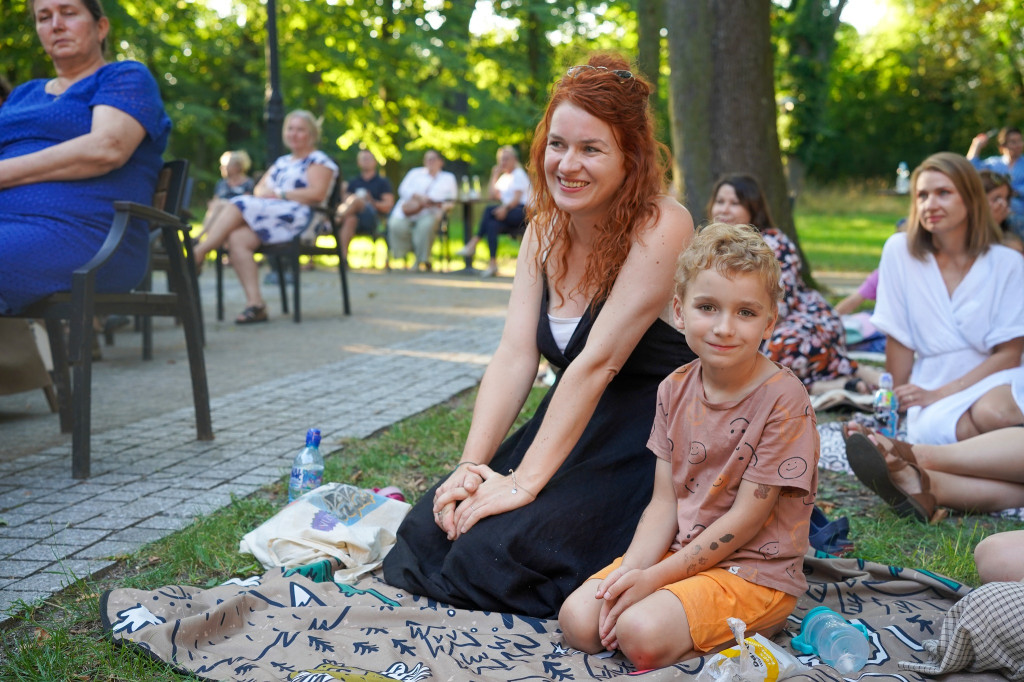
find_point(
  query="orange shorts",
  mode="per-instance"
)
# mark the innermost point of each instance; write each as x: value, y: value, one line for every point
x: 711, y: 596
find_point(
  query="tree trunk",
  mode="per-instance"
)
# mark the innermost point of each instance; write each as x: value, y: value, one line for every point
x: 722, y: 100
x: 649, y: 23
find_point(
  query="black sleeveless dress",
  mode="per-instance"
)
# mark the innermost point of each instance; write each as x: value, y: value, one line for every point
x: 527, y: 561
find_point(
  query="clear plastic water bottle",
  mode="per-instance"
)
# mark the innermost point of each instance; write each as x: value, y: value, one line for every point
x: 476, y: 187
x: 902, y: 178
x: 307, y: 467
x: 886, y: 407
x: 830, y: 637
x: 465, y: 191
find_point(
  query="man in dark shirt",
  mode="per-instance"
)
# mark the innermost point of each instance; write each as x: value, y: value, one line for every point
x: 367, y: 197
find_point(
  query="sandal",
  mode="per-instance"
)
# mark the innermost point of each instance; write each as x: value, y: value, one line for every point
x: 254, y: 313
x: 870, y: 466
x: 827, y: 536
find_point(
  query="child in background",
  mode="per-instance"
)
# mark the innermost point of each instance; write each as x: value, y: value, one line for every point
x: 726, y: 529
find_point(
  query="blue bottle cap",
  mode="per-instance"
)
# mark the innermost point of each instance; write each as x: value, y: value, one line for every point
x: 313, y: 437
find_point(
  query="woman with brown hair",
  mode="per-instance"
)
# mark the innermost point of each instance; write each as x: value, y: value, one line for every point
x: 519, y: 524
x: 949, y: 302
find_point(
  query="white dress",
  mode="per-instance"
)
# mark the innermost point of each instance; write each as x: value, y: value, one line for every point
x: 951, y: 335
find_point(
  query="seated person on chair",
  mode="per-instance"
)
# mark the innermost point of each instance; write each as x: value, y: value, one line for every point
x: 234, y: 182
x: 278, y: 210
x: 511, y: 186
x: 423, y: 196
x: 69, y: 147
x: 368, y: 196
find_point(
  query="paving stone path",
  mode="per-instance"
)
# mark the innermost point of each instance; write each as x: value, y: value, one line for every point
x: 150, y: 477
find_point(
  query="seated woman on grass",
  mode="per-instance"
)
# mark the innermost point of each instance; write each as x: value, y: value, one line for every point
x: 950, y: 303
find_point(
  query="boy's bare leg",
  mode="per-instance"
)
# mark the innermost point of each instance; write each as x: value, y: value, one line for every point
x: 579, y: 618
x: 655, y: 632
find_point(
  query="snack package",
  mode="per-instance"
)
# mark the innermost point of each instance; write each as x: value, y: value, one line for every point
x: 754, y: 659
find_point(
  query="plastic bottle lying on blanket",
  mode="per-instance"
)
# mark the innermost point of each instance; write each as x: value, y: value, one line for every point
x: 754, y: 659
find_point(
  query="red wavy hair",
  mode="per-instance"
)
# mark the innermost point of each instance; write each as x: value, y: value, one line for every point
x: 622, y: 103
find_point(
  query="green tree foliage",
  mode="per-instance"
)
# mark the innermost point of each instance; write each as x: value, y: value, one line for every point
x: 933, y: 75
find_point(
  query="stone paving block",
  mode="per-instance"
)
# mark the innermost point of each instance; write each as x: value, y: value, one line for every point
x: 13, y: 603
x: 164, y: 522
x: 82, y: 537
x: 40, y: 582
x: 71, y: 570
x: 107, y: 549
x: 139, y: 536
x: 107, y: 523
x: 16, y: 568
x: 29, y: 529
x: 47, y: 551
x: 10, y: 547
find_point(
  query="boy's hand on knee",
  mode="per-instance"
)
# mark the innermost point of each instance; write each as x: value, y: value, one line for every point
x: 630, y: 588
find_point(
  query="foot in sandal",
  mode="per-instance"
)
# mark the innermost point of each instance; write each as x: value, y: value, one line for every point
x: 253, y: 313
x: 887, y: 468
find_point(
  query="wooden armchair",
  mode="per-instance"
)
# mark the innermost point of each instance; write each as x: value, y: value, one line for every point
x: 79, y: 305
x: 284, y: 258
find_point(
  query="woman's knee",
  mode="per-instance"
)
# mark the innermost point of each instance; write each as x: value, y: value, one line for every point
x: 995, y: 410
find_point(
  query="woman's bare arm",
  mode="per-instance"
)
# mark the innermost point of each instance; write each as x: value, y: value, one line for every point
x: 107, y: 146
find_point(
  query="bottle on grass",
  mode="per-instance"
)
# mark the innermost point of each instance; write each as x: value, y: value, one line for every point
x: 307, y: 467
x: 886, y: 407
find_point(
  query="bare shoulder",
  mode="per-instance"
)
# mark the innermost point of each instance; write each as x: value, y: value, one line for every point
x: 668, y: 232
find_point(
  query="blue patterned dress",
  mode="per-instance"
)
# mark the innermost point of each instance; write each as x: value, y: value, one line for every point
x: 279, y: 220
x: 48, y: 229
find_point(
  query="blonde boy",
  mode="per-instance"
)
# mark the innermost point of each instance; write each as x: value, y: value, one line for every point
x: 726, y: 529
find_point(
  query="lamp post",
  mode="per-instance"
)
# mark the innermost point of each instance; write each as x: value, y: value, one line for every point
x: 274, y: 111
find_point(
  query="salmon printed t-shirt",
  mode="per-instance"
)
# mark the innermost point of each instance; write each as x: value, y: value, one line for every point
x: 770, y: 437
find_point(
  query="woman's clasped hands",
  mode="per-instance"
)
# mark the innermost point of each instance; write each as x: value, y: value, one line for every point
x: 473, y: 492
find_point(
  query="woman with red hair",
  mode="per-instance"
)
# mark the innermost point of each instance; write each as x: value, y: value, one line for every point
x: 519, y: 524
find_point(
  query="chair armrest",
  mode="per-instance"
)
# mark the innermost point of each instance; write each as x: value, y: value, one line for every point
x: 124, y: 211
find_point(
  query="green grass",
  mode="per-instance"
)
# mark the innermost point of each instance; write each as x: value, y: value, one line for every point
x: 61, y: 638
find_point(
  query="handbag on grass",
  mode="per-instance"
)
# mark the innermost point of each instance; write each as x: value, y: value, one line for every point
x: 355, y: 526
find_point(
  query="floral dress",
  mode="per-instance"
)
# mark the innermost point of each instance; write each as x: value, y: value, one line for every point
x: 278, y: 220
x: 809, y: 337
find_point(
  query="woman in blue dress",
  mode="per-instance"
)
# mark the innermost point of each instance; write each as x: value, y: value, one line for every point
x: 278, y: 209
x: 69, y: 147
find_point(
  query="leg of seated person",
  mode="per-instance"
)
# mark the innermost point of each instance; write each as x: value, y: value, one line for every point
x: 227, y: 221
x: 1000, y: 557
x: 399, y: 235
x: 972, y: 494
x: 655, y: 632
x: 213, y: 209
x: 348, y: 230
x: 423, y: 232
x: 995, y: 410
x: 489, y: 228
x: 578, y: 618
x: 242, y: 246
x: 996, y: 454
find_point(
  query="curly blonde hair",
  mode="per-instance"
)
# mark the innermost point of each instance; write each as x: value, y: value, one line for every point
x: 730, y: 249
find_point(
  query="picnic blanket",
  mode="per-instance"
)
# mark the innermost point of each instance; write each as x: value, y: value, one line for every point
x: 302, y: 626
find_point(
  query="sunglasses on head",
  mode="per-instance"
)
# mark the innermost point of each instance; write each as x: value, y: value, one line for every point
x: 577, y: 70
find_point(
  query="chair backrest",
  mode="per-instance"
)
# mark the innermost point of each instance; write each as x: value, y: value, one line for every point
x: 171, y: 187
